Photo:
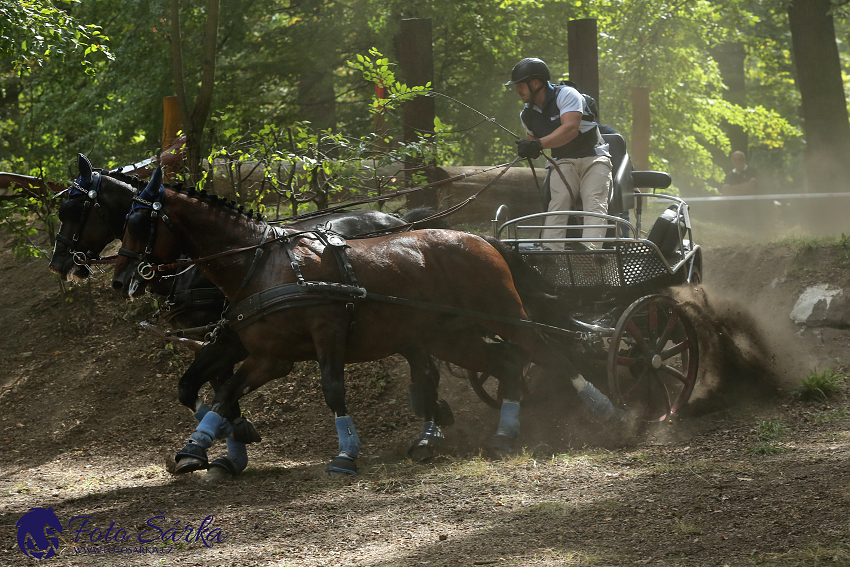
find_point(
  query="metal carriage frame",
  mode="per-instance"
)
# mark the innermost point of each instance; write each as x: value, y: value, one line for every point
x: 617, y: 294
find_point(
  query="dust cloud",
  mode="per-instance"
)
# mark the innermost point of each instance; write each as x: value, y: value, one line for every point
x: 748, y: 353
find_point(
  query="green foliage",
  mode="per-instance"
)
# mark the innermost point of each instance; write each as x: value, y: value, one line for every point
x: 820, y: 385
x: 33, y: 31
x: 24, y: 216
x: 380, y: 72
x: 282, y: 64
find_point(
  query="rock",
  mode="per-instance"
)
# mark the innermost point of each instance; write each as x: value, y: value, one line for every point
x: 820, y: 306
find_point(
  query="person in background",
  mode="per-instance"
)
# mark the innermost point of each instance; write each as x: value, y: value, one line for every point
x: 742, y: 180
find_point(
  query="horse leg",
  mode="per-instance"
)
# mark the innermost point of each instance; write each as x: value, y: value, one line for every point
x: 215, y: 359
x: 425, y: 379
x: 254, y: 373
x: 505, y: 361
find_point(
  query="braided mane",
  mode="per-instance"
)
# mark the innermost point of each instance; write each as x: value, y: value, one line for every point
x: 139, y: 185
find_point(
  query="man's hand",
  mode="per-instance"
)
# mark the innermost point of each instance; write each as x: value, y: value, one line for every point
x: 529, y: 148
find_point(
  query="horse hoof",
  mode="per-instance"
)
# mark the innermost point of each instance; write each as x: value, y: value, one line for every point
x: 222, y: 468
x: 244, y: 431
x: 191, y: 458
x: 419, y: 453
x: 189, y: 464
x: 342, y: 466
x: 444, y: 417
x: 502, y: 446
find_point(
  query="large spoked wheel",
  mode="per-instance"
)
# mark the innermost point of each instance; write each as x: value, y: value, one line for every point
x: 653, y: 358
x: 490, y: 392
x: 478, y: 382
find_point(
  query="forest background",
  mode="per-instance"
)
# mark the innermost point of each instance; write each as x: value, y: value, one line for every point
x: 90, y: 76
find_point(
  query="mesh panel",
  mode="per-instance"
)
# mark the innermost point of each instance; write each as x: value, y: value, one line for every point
x: 630, y: 263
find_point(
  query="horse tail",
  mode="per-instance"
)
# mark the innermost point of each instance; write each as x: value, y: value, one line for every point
x: 420, y: 213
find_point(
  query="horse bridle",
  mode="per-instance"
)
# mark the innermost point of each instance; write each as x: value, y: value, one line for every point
x: 85, y: 257
x: 146, y: 268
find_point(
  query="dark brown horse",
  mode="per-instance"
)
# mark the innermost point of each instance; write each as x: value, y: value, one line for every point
x: 457, y: 291
x: 94, y: 212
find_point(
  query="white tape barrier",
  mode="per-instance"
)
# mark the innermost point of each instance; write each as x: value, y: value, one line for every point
x: 776, y: 197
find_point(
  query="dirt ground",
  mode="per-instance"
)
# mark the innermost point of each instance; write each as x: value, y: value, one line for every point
x: 748, y: 476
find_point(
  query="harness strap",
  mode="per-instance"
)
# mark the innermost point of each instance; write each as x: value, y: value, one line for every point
x: 307, y: 294
x: 258, y: 253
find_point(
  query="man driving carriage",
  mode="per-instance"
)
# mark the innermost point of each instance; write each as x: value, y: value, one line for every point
x: 557, y: 117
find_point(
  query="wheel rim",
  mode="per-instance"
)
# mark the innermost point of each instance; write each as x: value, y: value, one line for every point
x: 653, y: 358
x: 477, y: 381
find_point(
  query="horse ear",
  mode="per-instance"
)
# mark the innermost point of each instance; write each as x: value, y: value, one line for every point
x: 154, y: 183
x: 84, y: 165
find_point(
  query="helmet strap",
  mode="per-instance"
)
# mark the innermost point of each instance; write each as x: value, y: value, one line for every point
x: 532, y: 90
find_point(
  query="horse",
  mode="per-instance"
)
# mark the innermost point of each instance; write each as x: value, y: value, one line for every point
x: 93, y: 214
x: 318, y: 298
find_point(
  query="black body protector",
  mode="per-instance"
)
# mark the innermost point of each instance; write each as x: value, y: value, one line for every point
x: 544, y: 123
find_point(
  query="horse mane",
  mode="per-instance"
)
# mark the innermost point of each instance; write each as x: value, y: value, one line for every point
x: 139, y: 185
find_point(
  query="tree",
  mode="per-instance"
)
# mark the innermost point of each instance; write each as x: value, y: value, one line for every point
x: 824, y: 107
x: 194, y: 118
x: 34, y: 31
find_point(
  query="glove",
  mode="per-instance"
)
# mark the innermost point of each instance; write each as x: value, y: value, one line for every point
x: 529, y: 148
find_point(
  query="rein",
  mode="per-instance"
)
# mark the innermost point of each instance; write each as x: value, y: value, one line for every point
x: 447, y: 212
x: 392, y: 195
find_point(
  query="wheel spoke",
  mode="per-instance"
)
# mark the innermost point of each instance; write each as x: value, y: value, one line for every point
x: 626, y: 361
x: 667, y: 405
x: 671, y: 323
x: 638, y: 336
x: 639, y: 381
x: 676, y: 349
x: 674, y: 373
x: 653, y: 322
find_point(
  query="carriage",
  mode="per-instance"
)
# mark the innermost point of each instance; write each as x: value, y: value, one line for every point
x: 630, y: 335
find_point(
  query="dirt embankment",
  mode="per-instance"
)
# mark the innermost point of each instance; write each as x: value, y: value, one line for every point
x: 746, y: 477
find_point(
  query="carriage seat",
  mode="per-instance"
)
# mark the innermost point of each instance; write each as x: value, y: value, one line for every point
x: 622, y: 193
x: 665, y: 233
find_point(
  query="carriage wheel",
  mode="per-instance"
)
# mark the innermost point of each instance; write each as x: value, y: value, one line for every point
x: 477, y: 382
x: 653, y: 358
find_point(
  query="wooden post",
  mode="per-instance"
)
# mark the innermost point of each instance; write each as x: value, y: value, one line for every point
x: 583, y: 56
x: 170, y: 121
x: 170, y: 127
x: 416, y: 64
x: 639, y: 150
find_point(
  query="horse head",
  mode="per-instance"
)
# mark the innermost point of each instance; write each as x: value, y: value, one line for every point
x: 90, y: 218
x: 149, y: 239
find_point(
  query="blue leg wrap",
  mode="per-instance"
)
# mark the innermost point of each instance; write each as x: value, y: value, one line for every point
x: 509, y: 422
x: 349, y: 441
x: 207, y: 429
x: 224, y: 429
x: 237, y: 453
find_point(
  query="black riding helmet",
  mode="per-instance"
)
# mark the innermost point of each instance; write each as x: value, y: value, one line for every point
x: 527, y: 69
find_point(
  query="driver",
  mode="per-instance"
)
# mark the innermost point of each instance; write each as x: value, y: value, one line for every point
x: 556, y: 117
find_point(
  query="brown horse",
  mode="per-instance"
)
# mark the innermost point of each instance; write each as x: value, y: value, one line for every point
x: 94, y: 212
x: 456, y: 288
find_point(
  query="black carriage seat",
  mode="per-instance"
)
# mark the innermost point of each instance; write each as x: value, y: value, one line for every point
x: 621, y: 197
x: 667, y: 232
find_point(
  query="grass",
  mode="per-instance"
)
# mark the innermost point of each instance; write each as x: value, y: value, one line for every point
x: 767, y: 433
x: 769, y: 430
x: 819, y: 386
x: 834, y: 415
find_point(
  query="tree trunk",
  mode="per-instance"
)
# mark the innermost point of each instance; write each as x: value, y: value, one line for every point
x: 730, y: 59
x: 824, y: 110
x: 194, y: 119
